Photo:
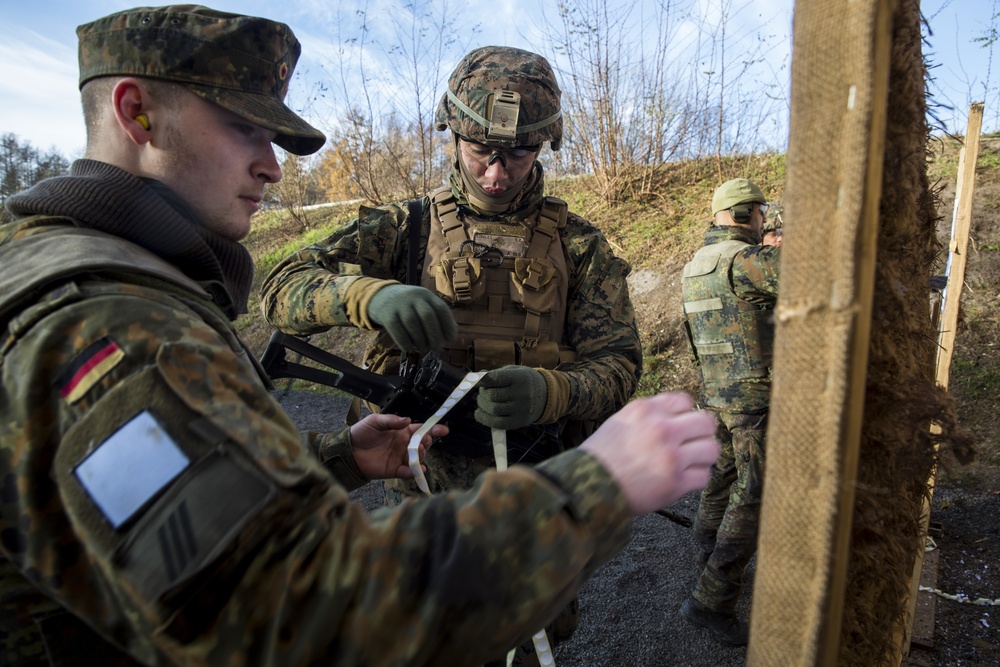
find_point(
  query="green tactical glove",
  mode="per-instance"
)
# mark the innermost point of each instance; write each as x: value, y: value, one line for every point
x: 415, y: 317
x: 511, y: 397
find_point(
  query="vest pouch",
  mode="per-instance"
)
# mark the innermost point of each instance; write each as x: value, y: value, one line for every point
x: 758, y: 326
x: 533, y: 284
x: 717, y: 361
x: 545, y: 354
x: 460, y: 280
x: 382, y: 356
x: 490, y: 353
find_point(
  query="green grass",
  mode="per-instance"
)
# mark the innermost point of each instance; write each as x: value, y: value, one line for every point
x: 976, y: 378
x: 270, y: 259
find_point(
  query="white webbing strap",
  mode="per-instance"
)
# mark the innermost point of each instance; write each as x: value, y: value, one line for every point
x: 413, y: 449
x: 541, y: 641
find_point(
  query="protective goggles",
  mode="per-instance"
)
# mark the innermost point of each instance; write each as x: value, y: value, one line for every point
x: 487, y: 155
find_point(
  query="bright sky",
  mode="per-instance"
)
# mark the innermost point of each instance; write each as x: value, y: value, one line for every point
x: 38, y: 59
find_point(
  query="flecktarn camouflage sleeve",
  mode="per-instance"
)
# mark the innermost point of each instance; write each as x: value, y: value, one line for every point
x: 306, y: 292
x: 755, y: 274
x: 153, y: 488
x: 600, y: 325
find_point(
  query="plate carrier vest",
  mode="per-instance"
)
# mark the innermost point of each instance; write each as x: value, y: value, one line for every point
x: 732, y: 339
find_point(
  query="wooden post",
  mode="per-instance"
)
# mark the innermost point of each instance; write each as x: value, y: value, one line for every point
x: 959, y: 243
x: 948, y: 320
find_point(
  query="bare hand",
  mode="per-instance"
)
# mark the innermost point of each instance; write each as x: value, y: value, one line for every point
x: 379, y: 443
x: 657, y: 449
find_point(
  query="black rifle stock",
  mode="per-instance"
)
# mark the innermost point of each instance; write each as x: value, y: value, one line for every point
x: 417, y: 393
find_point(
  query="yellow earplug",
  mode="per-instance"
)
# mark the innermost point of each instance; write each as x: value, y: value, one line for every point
x: 142, y: 120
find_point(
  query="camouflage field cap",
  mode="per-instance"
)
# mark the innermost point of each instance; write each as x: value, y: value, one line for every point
x: 736, y: 191
x: 502, y: 96
x: 241, y: 63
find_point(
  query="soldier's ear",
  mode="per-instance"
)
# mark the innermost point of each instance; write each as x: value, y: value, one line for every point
x: 128, y: 97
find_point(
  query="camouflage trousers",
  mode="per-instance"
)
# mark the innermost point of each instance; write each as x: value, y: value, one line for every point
x: 725, y: 529
x: 446, y: 472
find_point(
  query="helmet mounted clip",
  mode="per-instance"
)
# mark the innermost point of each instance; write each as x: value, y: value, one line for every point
x: 503, y: 117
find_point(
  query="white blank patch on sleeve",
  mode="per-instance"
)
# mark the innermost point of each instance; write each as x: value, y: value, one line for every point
x: 131, y: 467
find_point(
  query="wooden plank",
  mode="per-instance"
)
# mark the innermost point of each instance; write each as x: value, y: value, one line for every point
x: 922, y: 634
x: 952, y: 296
x: 959, y: 243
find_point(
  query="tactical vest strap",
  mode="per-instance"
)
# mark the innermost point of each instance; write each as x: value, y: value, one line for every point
x: 551, y: 216
x: 414, y: 221
x: 461, y: 279
x: 532, y: 322
x: 451, y: 222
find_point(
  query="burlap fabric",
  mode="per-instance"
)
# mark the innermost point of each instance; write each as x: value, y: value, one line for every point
x: 839, y: 79
x: 850, y: 444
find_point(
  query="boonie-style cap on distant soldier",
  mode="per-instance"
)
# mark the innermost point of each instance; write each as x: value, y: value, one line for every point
x: 736, y: 192
x: 241, y: 63
x: 504, y: 97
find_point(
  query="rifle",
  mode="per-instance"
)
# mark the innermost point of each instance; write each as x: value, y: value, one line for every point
x: 417, y: 393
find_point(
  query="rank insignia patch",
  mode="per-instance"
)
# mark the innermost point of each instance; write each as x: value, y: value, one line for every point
x: 87, y: 369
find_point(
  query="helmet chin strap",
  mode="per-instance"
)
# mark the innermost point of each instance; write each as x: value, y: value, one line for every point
x: 481, y: 199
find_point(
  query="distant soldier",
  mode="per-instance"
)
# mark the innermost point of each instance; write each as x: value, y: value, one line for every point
x: 729, y: 290
x: 490, y: 270
x: 157, y: 507
x: 773, y: 225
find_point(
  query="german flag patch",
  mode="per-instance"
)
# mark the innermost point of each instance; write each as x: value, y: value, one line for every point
x: 87, y: 368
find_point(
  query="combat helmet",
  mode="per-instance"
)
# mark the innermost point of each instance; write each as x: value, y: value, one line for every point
x: 502, y: 96
x: 734, y: 192
x: 773, y: 222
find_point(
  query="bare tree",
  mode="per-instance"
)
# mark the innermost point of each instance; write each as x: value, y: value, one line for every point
x: 621, y: 100
x: 299, y: 187
x: 23, y: 165
x: 390, y: 75
x: 656, y: 80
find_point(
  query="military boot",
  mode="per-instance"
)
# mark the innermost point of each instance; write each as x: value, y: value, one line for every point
x: 727, y: 628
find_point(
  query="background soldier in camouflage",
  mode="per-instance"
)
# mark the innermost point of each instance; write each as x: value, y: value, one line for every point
x: 772, y: 226
x: 507, y: 279
x: 156, y: 505
x: 729, y: 289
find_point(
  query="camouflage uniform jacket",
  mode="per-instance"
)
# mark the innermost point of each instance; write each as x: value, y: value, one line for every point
x: 151, y: 487
x: 729, y: 291
x: 305, y: 294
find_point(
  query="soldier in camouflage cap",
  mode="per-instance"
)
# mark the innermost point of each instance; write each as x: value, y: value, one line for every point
x: 240, y: 63
x: 730, y: 288
x: 157, y: 507
x: 502, y: 279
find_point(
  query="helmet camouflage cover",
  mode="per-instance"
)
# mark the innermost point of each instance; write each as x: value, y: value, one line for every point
x: 502, y: 96
x: 774, y: 222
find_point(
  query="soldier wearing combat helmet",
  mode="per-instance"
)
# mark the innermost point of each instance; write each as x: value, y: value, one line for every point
x: 730, y: 287
x: 773, y: 225
x: 157, y: 507
x: 505, y: 279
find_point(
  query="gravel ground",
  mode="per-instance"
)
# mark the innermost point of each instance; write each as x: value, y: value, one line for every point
x: 629, y: 608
